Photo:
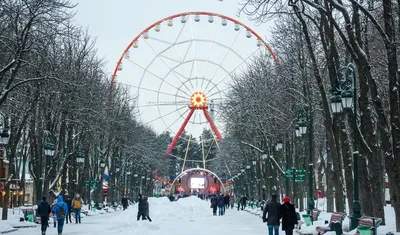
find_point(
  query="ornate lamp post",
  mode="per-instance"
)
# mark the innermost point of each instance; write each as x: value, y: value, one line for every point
x: 48, y: 152
x: 305, y: 118
x: 5, y: 137
x: 80, y: 160
x: 127, y: 184
x: 117, y: 182
x: 102, y: 166
x: 344, y: 97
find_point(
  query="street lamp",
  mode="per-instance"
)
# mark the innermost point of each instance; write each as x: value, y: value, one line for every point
x: 305, y: 118
x: 128, y: 173
x: 336, y: 103
x: 279, y: 145
x: 348, y: 96
x: 80, y: 158
x: 347, y: 99
x: 48, y: 149
x: 248, y: 167
x: 135, y: 175
x: 117, y: 169
x: 254, y: 163
x: 297, y: 130
x: 302, y: 127
x: 5, y: 136
x: 102, y: 164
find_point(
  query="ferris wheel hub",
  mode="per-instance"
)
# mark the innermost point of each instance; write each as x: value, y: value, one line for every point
x: 198, y: 100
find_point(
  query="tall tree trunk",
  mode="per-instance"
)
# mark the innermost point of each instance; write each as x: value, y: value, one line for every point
x: 393, y: 77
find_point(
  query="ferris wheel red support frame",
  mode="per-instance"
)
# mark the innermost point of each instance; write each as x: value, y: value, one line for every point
x: 192, y: 109
x: 182, y: 128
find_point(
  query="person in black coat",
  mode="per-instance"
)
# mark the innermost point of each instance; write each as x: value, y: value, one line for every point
x: 273, y: 209
x: 214, y: 204
x: 124, y: 202
x: 221, y: 204
x: 226, y: 200
x: 141, y: 208
x: 68, y: 201
x: 288, y: 215
x: 243, y: 201
x: 44, y: 211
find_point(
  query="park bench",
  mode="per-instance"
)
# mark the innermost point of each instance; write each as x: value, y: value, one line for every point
x: 335, y: 224
x: 314, y: 214
x: 372, y: 222
x: 314, y: 217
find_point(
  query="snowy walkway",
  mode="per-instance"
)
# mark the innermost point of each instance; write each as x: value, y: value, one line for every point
x: 190, y: 216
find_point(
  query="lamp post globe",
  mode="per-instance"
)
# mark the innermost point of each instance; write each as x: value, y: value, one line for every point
x: 336, y: 103
x: 47, y: 149
x: 80, y: 159
x: 279, y: 145
x: 302, y: 127
x: 5, y: 137
x: 297, y: 131
x: 102, y: 164
x: 347, y: 99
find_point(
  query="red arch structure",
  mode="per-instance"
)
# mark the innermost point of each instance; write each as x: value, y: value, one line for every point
x: 193, y: 105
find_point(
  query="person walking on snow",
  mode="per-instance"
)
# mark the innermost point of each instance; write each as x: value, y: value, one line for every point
x: 146, y: 211
x: 53, y: 214
x: 226, y: 201
x: 288, y: 214
x: 273, y: 208
x: 221, y: 204
x: 77, y: 205
x: 232, y: 201
x: 44, y: 211
x: 243, y: 201
x: 60, y: 211
x: 214, y: 204
x: 124, y: 202
x: 69, y: 204
x: 141, y: 208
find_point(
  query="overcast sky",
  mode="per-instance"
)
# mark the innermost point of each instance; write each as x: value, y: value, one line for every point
x: 115, y: 23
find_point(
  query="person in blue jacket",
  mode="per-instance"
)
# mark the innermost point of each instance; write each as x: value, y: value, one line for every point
x: 61, y: 211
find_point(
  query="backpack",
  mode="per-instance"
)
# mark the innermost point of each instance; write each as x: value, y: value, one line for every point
x: 77, y: 204
x: 61, y: 212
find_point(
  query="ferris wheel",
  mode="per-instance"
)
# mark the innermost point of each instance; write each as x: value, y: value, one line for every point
x: 179, y: 70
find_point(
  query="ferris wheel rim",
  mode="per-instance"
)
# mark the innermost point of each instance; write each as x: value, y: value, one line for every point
x: 189, y: 14
x: 260, y: 44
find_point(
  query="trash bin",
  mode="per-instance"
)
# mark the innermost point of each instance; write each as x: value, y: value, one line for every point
x: 30, y: 218
x: 364, y: 230
x: 307, y: 220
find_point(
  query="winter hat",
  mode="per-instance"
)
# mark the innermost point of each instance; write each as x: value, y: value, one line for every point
x: 286, y: 199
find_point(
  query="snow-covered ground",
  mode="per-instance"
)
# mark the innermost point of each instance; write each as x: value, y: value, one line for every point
x: 188, y: 216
